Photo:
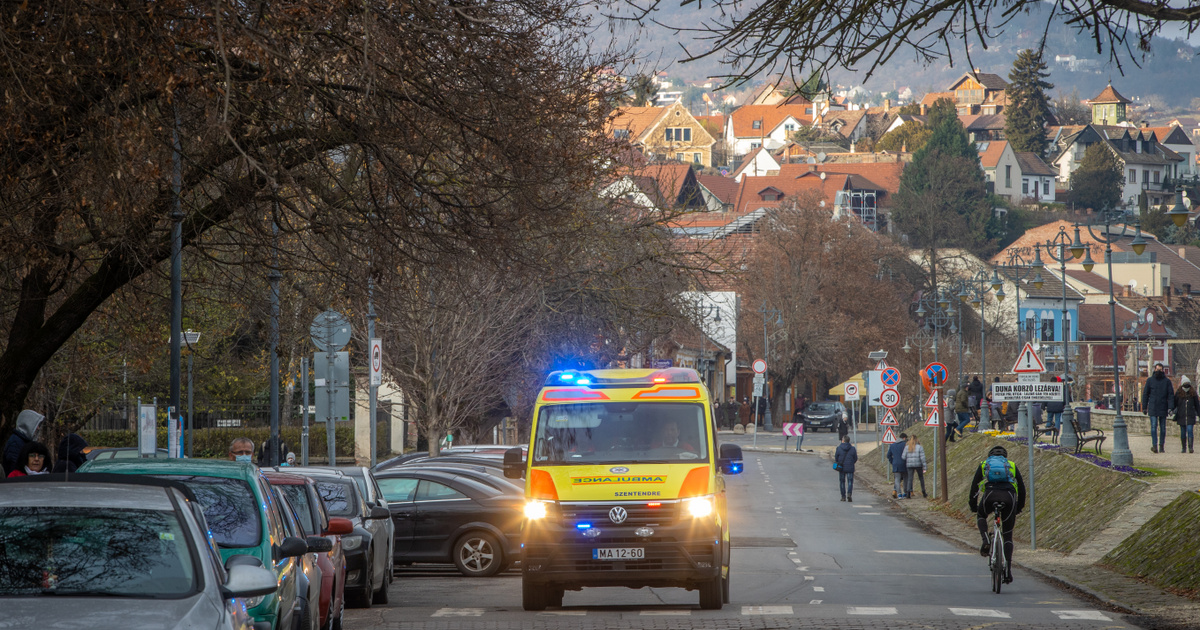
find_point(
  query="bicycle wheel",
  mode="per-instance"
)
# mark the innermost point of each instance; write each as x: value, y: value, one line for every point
x: 997, y: 562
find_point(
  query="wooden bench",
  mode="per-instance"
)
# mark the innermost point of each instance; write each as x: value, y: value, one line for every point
x: 1083, y: 437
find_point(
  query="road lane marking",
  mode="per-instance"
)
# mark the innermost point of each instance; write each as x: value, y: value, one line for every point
x: 793, y: 553
x: 868, y: 513
x: 565, y: 613
x: 458, y: 612
x: 818, y: 589
x: 916, y: 552
x: 801, y: 568
x: 809, y: 578
x: 1092, y: 615
x: 865, y: 506
x: 871, y: 610
x: 979, y: 612
x: 767, y: 610
x: 666, y: 613
x: 815, y: 601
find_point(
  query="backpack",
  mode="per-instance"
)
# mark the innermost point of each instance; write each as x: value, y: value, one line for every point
x: 997, y: 471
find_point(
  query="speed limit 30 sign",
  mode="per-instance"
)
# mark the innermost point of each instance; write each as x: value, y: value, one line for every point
x: 889, y: 398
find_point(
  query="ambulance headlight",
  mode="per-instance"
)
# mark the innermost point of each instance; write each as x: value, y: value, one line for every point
x: 700, y: 507
x: 535, y: 510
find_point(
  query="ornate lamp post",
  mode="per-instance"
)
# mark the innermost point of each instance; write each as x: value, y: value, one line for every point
x: 1121, y: 455
x: 974, y: 291
x: 767, y: 353
x: 938, y: 316
x: 1020, y: 270
x: 1060, y: 250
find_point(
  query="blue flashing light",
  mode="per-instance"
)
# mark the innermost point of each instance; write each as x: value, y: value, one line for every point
x: 583, y: 525
x: 567, y: 377
x: 584, y: 381
x: 735, y: 468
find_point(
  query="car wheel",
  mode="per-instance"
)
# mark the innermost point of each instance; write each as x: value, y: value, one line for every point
x: 478, y: 554
x: 533, y: 596
x: 725, y: 589
x: 710, y: 594
x: 554, y: 597
x: 362, y: 596
x: 381, y: 596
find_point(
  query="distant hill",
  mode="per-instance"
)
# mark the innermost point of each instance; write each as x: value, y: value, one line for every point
x: 1170, y: 73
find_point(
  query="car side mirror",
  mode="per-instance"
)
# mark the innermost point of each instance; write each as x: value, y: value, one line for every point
x: 339, y: 526
x: 319, y: 544
x: 242, y: 559
x: 246, y: 581
x: 379, y: 512
x: 730, y: 461
x: 514, y: 463
x: 291, y: 547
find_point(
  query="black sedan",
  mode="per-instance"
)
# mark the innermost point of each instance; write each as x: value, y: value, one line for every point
x: 453, y: 516
x: 822, y: 415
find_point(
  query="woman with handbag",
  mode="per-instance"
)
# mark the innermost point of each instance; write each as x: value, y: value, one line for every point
x: 1187, y: 407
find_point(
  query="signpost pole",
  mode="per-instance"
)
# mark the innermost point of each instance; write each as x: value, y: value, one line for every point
x: 330, y: 421
x: 304, y: 402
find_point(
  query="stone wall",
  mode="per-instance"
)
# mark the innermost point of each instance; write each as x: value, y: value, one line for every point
x: 1075, y: 499
x: 1135, y: 422
x: 1166, y: 550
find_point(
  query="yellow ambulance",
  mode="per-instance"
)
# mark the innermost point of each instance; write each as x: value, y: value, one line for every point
x: 624, y: 486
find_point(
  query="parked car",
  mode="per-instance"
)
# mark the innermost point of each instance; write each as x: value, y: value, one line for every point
x: 449, y: 516
x: 121, y: 552
x: 240, y: 510
x: 822, y: 415
x: 301, y: 493
x: 466, y: 450
x: 484, y: 474
x: 308, y: 586
x: 120, y: 452
x: 368, y: 549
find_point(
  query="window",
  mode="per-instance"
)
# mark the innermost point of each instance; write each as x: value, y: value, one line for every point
x: 620, y: 432
x: 1146, y: 176
x: 229, y: 507
x: 1156, y: 174
x: 398, y: 489
x: 1030, y: 325
x: 1024, y: 186
x: 755, y: 145
x: 1047, y: 328
x: 757, y: 124
x: 620, y: 134
x: 339, y: 496
x: 297, y: 496
x: 789, y: 127
x: 434, y: 491
x: 1008, y: 175
x: 1046, y: 187
x: 1132, y: 176
x: 697, y: 158
x: 679, y: 134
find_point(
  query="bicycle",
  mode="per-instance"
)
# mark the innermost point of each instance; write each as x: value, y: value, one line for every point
x: 997, y: 562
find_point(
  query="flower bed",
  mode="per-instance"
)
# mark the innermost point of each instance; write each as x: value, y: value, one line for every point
x: 1085, y: 456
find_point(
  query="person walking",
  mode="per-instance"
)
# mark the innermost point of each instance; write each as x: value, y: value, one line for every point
x: 895, y: 455
x: 914, y: 459
x: 28, y: 422
x: 70, y: 453
x: 951, y: 422
x: 844, y: 458
x: 975, y: 393
x: 1158, y: 401
x: 34, y: 459
x: 962, y: 408
x: 1187, y: 407
x: 744, y: 412
x: 843, y: 427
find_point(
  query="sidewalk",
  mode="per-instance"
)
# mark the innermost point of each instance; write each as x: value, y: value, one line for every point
x: 1078, y: 570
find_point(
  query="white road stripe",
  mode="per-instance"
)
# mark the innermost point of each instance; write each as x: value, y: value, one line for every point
x: 809, y: 578
x: 865, y: 506
x: 818, y: 589
x: 979, y: 612
x: 871, y: 610
x: 666, y: 613
x: 815, y: 601
x: 564, y: 613
x: 458, y: 612
x: 1093, y: 615
x: 915, y: 552
x: 868, y: 513
x: 767, y: 610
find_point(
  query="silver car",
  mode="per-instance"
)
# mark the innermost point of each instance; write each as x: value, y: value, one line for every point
x: 115, y: 551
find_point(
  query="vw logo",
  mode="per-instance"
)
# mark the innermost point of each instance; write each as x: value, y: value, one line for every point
x: 618, y: 515
x: 618, y: 469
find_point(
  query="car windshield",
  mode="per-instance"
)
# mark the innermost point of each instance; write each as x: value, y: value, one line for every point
x: 339, y: 497
x: 229, y: 507
x: 94, y: 552
x: 627, y: 432
x: 821, y: 408
x: 298, y: 497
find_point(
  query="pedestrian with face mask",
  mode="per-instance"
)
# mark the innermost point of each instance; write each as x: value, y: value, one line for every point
x: 241, y: 450
x: 1158, y: 400
x: 1187, y: 407
x: 28, y: 422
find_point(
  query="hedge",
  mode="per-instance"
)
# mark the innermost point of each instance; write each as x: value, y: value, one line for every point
x: 214, y: 443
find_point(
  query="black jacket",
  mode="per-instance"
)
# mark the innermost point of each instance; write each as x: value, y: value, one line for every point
x: 975, y: 389
x: 845, y: 456
x: 973, y: 500
x: 1158, y: 398
x: 895, y: 455
x: 1187, y: 407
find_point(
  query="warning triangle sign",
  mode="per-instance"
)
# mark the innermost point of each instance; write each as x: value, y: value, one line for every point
x: 933, y: 399
x: 889, y: 419
x: 1028, y: 362
x: 932, y: 420
x: 889, y: 436
x: 882, y: 365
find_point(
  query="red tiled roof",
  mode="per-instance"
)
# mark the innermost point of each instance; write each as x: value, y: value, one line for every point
x: 771, y: 116
x: 1109, y: 95
x: 885, y: 174
x: 635, y: 119
x: 724, y: 188
x: 934, y: 97
x: 990, y: 156
x: 1162, y: 133
x: 748, y: 199
x: 1089, y: 278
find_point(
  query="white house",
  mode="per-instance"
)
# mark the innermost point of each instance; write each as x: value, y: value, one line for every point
x: 752, y: 126
x: 1000, y: 166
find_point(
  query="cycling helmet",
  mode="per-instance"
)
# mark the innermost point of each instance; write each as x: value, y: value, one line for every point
x: 998, y: 450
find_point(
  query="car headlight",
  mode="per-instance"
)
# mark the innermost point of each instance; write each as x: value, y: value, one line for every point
x: 700, y: 507
x: 255, y: 601
x: 350, y: 543
x: 535, y: 510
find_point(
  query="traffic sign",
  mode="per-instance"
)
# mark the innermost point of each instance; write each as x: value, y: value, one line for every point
x: 932, y: 420
x: 889, y: 398
x: 376, y: 361
x: 760, y: 366
x: 758, y: 390
x: 889, y: 419
x: 933, y: 399
x: 1027, y: 392
x: 890, y: 377
x: 759, y: 379
x: 330, y: 331
x: 882, y: 365
x: 851, y: 391
x: 1032, y: 377
x: 793, y: 429
x: 1028, y: 362
x: 889, y: 436
x: 937, y: 373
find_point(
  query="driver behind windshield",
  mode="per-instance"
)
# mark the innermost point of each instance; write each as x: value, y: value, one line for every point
x: 668, y: 437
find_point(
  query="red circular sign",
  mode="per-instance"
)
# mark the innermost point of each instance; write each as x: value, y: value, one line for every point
x: 760, y: 366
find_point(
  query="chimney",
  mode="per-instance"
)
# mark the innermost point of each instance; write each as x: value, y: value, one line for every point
x: 852, y: 147
x: 923, y: 109
x: 1143, y: 124
x: 887, y: 105
x: 1183, y: 253
x: 1167, y: 294
x: 1187, y: 290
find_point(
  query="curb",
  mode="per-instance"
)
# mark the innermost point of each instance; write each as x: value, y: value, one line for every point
x: 1096, y: 595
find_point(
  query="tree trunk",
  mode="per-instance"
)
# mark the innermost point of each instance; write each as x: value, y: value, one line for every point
x: 434, y: 438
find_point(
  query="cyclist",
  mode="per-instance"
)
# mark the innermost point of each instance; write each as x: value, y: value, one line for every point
x: 997, y: 480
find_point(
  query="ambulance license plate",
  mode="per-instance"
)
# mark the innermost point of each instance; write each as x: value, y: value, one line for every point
x: 619, y: 553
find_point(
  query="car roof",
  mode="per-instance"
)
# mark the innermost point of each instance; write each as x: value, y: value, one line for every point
x: 279, y: 477
x: 198, y: 467
x: 309, y: 471
x: 121, y: 492
x: 451, y: 474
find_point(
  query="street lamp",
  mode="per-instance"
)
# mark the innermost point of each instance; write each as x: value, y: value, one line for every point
x: 975, y: 289
x: 1060, y: 249
x: 936, y: 318
x: 1121, y: 455
x: 707, y: 311
x: 767, y: 352
x: 190, y: 339
x: 1178, y: 213
x: 1020, y: 270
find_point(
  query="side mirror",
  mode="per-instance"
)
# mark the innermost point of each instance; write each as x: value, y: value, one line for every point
x: 378, y: 513
x: 319, y: 544
x: 514, y: 463
x: 242, y: 559
x: 246, y: 581
x: 291, y: 547
x: 339, y: 526
x: 730, y: 461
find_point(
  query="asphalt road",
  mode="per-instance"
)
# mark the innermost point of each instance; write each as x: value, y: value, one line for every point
x: 801, y: 559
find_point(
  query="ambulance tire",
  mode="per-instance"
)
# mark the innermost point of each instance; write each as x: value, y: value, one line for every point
x: 534, y: 597
x: 555, y: 598
x: 725, y: 589
x: 710, y: 594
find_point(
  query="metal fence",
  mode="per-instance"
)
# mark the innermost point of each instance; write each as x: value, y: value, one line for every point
x: 204, y: 416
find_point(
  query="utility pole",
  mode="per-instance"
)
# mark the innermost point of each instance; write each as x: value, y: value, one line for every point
x: 176, y: 273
